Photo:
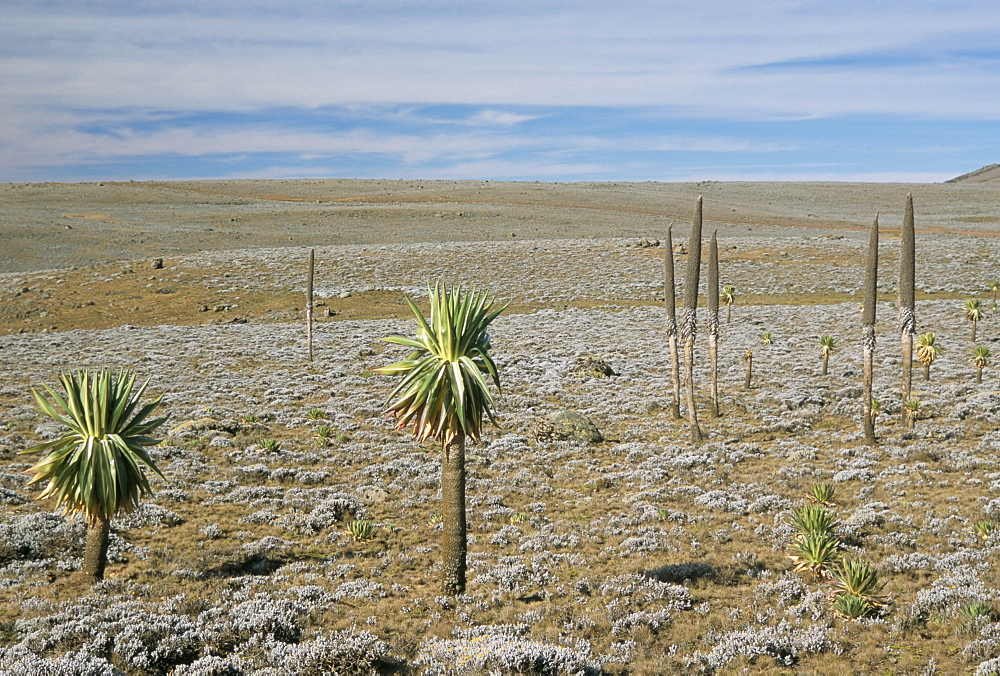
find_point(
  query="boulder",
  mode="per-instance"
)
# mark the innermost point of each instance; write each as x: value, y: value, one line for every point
x: 574, y: 426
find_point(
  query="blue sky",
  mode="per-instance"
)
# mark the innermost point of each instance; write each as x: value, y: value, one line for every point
x: 520, y: 90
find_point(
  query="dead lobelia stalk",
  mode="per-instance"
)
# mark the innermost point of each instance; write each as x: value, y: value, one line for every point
x: 669, y: 293
x: 748, y: 358
x: 689, y: 316
x: 713, y: 318
x: 310, y: 270
x: 868, y: 332
x: 907, y: 306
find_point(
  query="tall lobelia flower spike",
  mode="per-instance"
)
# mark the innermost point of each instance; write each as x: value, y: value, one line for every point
x: 868, y: 332
x: 669, y: 300
x: 713, y: 318
x: 907, y: 305
x: 689, y: 316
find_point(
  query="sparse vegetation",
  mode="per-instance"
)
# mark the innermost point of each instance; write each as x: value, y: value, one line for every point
x: 644, y: 553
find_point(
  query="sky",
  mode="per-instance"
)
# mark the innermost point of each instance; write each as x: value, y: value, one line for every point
x: 540, y: 90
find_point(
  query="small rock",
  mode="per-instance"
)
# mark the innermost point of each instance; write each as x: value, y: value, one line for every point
x: 156, y: 264
x: 203, y: 425
x: 371, y: 494
x: 591, y: 367
x: 344, y: 294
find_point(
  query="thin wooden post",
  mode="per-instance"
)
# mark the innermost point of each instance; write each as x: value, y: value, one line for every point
x: 309, y: 303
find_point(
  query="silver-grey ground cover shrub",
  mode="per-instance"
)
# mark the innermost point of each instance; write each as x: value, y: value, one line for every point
x: 213, y: 665
x: 349, y: 652
x: 40, y: 535
x: 502, y: 650
x: 19, y: 660
x: 783, y: 642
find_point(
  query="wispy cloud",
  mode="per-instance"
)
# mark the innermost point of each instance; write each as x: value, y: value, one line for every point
x: 455, y: 86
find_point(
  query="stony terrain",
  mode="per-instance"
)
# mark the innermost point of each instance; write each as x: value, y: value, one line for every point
x: 643, y: 553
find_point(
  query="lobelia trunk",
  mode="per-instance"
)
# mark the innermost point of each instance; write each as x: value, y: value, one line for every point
x: 689, y: 319
x: 826, y: 364
x: 907, y: 305
x: 748, y: 358
x: 454, y: 531
x: 713, y: 318
x: 669, y: 294
x: 95, y: 553
x: 868, y: 333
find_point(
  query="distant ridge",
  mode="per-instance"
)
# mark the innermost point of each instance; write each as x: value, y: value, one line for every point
x: 988, y: 174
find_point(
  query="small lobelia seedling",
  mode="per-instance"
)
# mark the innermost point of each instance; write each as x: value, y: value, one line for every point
x: 815, y: 552
x: 821, y: 493
x: 976, y: 609
x: 322, y: 434
x: 876, y: 409
x: 315, y: 414
x: 853, y: 577
x: 852, y: 607
x: 362, y: 530
x: 985, y: 529
x: 270, y: 445
x: 812, y: 520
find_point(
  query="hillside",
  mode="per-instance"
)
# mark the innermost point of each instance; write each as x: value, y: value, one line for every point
x: 988, y: 174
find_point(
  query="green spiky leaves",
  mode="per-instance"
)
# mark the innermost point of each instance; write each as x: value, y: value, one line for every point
x: 444, y: 391
x: 96, y: 467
